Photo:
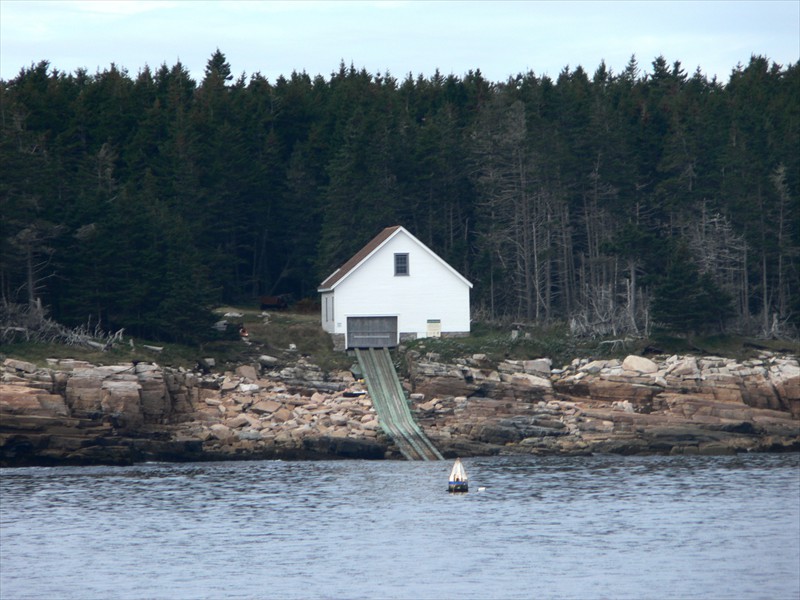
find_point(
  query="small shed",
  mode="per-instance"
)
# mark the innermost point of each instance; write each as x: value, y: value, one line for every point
x: 395, y: 288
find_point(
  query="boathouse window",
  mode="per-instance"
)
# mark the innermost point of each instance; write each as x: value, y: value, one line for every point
x: 401, y: 264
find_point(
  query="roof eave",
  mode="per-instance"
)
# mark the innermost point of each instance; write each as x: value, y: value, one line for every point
x: 356, y: 266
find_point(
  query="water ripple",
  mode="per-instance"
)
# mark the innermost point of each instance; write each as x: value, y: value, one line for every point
x: 598, y: 527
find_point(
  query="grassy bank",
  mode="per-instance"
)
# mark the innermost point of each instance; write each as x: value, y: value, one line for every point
x: 288, y: 335
x: 282, y: 334
x: 555, y: 342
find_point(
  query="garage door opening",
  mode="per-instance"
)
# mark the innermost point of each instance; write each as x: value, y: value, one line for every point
x: 371, y: 332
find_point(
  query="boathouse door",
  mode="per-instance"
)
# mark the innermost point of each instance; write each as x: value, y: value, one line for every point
x: 371, y: 332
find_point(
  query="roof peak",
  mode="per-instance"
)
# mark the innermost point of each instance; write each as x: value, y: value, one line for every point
x: 373, y: 245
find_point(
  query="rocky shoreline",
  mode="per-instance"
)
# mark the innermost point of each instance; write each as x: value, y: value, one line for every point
x: 72, y: 412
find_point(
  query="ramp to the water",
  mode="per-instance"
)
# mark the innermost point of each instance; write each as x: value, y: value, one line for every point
x: 390, y: 404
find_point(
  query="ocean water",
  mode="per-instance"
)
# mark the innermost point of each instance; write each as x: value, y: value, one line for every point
x: 589, y: 527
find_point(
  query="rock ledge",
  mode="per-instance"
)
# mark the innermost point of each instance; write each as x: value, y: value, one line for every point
x: 73, y: 412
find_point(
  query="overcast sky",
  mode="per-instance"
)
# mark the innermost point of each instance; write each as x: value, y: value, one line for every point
x: 501, y: 39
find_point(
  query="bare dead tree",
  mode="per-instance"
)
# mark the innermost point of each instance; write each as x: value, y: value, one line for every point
x: 720, y: 252
x: 31, y: 245
x: 30, y: 323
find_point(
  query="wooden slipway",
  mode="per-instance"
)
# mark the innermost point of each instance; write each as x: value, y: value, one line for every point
x: 390, y: 404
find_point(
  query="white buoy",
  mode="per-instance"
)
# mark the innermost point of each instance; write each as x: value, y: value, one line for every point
x: 458, y: 478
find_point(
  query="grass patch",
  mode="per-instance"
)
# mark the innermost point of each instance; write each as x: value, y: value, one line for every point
x: 730, y: 346
x: 498, y: 343
x: 288, y: 335
x: 556, y: 343
x: 274, y: 335
x: 37, y: 353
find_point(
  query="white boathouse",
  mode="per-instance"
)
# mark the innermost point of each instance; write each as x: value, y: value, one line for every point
x: 394, y: 288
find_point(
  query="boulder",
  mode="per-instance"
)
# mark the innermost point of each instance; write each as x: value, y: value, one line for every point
x: 19, y: 365
x: 229, y: 384
x: 339, y: 419
x: 221, y: 432
x: 23, y: 400
x: 121, y: 400
x: 499, y: 434
x: 70, y: 364
x: 785, y: 377
x: 155, y: 398
x: 84, y: 393
x: 686, y: 367
x: 263, y: 407
x: 247, y: 371
x: 593, y: 367
x: 539, y: 366
x: 639, y: 364
x: 526, y: 380
x: 242, y: 420
x: 268, y: 361
x: 282, y: 415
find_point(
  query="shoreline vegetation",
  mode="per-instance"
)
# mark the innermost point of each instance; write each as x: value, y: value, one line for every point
x: 277, y: 331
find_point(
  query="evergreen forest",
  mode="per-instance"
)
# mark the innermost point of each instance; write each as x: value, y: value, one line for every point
x: 616, y: 203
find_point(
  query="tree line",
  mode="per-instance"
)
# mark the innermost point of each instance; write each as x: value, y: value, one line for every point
x: 616, y: 202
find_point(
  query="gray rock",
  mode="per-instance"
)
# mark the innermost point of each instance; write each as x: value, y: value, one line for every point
x: 19, y: 365
x: 639, y: 364
x: 268, y: 361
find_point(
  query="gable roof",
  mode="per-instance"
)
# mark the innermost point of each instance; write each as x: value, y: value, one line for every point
x: 373, y: 246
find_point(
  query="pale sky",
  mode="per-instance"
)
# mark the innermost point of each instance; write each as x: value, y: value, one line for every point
x: 500, y: 38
